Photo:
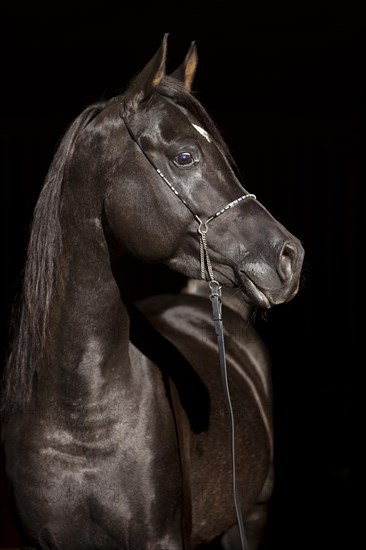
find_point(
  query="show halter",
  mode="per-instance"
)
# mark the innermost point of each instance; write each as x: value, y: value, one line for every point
x: 216, y: 302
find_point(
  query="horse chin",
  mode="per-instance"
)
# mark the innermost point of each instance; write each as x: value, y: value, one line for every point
x: 252, y: 294
x: 237, y: 278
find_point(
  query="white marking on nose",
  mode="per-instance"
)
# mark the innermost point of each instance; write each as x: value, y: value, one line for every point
x: 202, y: 131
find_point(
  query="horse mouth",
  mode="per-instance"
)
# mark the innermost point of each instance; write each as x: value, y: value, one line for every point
x: 254, y: 295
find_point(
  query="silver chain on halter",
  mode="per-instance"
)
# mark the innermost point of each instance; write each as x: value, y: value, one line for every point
x: 215, y: 296
x: 205, y: 261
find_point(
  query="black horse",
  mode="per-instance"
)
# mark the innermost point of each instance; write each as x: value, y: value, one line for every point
x: 114, y: 423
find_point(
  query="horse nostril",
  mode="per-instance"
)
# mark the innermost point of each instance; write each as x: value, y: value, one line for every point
x: 286, y: 261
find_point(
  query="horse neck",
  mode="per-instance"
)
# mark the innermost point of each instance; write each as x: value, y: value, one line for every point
x: 88, y: 320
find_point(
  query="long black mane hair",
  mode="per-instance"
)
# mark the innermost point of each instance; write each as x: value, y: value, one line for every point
x: 31, y: 310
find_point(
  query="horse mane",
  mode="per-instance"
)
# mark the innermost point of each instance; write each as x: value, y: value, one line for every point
x: 29, y: 318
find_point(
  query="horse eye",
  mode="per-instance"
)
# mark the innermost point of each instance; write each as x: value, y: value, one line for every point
x: 184, y: 158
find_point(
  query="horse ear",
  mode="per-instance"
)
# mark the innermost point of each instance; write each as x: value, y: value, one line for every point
x: 187, y: 70
x: 143, y: 85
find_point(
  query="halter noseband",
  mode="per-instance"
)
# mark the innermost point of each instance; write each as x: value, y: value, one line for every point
x: 216, y: 301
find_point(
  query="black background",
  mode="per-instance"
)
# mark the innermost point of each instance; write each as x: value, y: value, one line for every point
x: 285, y: 86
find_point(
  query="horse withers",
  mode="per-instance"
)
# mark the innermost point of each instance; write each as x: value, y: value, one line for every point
x: 114, y: 427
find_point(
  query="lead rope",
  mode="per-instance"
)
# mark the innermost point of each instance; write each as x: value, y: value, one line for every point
x: 216, y: 302
x: 215, y: 296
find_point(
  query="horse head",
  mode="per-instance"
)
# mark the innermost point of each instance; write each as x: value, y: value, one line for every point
x: 171, y: 181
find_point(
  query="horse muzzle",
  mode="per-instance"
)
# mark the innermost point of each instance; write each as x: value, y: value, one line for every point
x: 273, y: 281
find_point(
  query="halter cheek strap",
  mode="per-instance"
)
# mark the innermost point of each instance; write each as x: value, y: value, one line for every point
x: 215, y: 296
x: 202, y: 226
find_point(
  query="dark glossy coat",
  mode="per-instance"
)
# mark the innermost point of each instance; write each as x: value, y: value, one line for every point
x: 115, y: 431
